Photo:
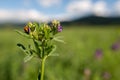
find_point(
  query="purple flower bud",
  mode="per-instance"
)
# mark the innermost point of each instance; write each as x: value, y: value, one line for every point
x: 27, y: 29
x: 98, y: 54
x: 115, y: 46
x: 106, y: 75
x: 60, y: 28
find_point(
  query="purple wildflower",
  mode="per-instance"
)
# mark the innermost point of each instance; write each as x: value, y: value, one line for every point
x: 60, y: 28
x: 116, y: 46
x: 106, y: 75
x: 98, y: 54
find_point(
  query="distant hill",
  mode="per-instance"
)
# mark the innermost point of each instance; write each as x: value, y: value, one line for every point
x: 89, y: 20
x: 94, y: 20
x: 9, y: 24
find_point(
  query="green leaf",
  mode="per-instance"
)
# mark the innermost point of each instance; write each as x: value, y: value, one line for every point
x: 37, y: 47
x: 28, y: 58
x: 23, y: 34
x: 21, y: 46
x: 37, y: 27
x: 38, y: 42
x: 54, y: 54
x: 31, y: 50
x: 58, y: 40
x: 46, y: 33
x: 41, y: 27
x: 59, y: 37
x: 52, y: 51
x: 39, y: 76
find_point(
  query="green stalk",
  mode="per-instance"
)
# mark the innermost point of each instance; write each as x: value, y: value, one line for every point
x: 42, y: 67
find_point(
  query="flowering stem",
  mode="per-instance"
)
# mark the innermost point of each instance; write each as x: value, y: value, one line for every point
x: 42, y: 67
x: 42, y: 35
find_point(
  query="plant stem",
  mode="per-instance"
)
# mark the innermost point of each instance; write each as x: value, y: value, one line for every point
x: 42, y: 67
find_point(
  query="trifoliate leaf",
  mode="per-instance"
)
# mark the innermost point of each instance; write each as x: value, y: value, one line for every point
x: 23, y: 34
x: 37, y: 47
x: 28, y: 58
x: 30, y: 49
x: 52, y: 50
x: 21, y: 45
x: 60, y: 37
x: 58, y: 40
x: 54, y: 54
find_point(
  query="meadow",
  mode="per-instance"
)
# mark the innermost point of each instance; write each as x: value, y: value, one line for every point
x: 89, y: 53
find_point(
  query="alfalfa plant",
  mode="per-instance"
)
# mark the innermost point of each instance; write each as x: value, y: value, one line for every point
x: 43, y: 37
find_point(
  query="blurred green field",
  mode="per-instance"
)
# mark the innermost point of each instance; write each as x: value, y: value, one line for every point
x: 76, y: 60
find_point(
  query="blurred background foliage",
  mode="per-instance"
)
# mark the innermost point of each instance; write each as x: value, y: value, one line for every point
x: 88, y: 54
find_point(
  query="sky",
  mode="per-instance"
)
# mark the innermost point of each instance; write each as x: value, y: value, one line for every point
x: 63, y: 10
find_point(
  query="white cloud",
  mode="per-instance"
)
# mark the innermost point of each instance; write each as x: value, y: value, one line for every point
x: 49, y: 3
x: 22, y: 15
x: 79, y: 6
x: 100, y: 8
x: 83, y: 7
x: 117, y: 7
x: 63, y: 17
x: 75, y: 9
x: 30, y: 15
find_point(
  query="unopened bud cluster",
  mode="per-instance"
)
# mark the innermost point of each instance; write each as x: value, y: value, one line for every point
x: 43, y: 31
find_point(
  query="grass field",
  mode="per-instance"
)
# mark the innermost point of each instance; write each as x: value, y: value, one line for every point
x: 88, y: 54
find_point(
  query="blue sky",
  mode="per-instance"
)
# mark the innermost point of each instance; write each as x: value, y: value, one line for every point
x: 64, y: 10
